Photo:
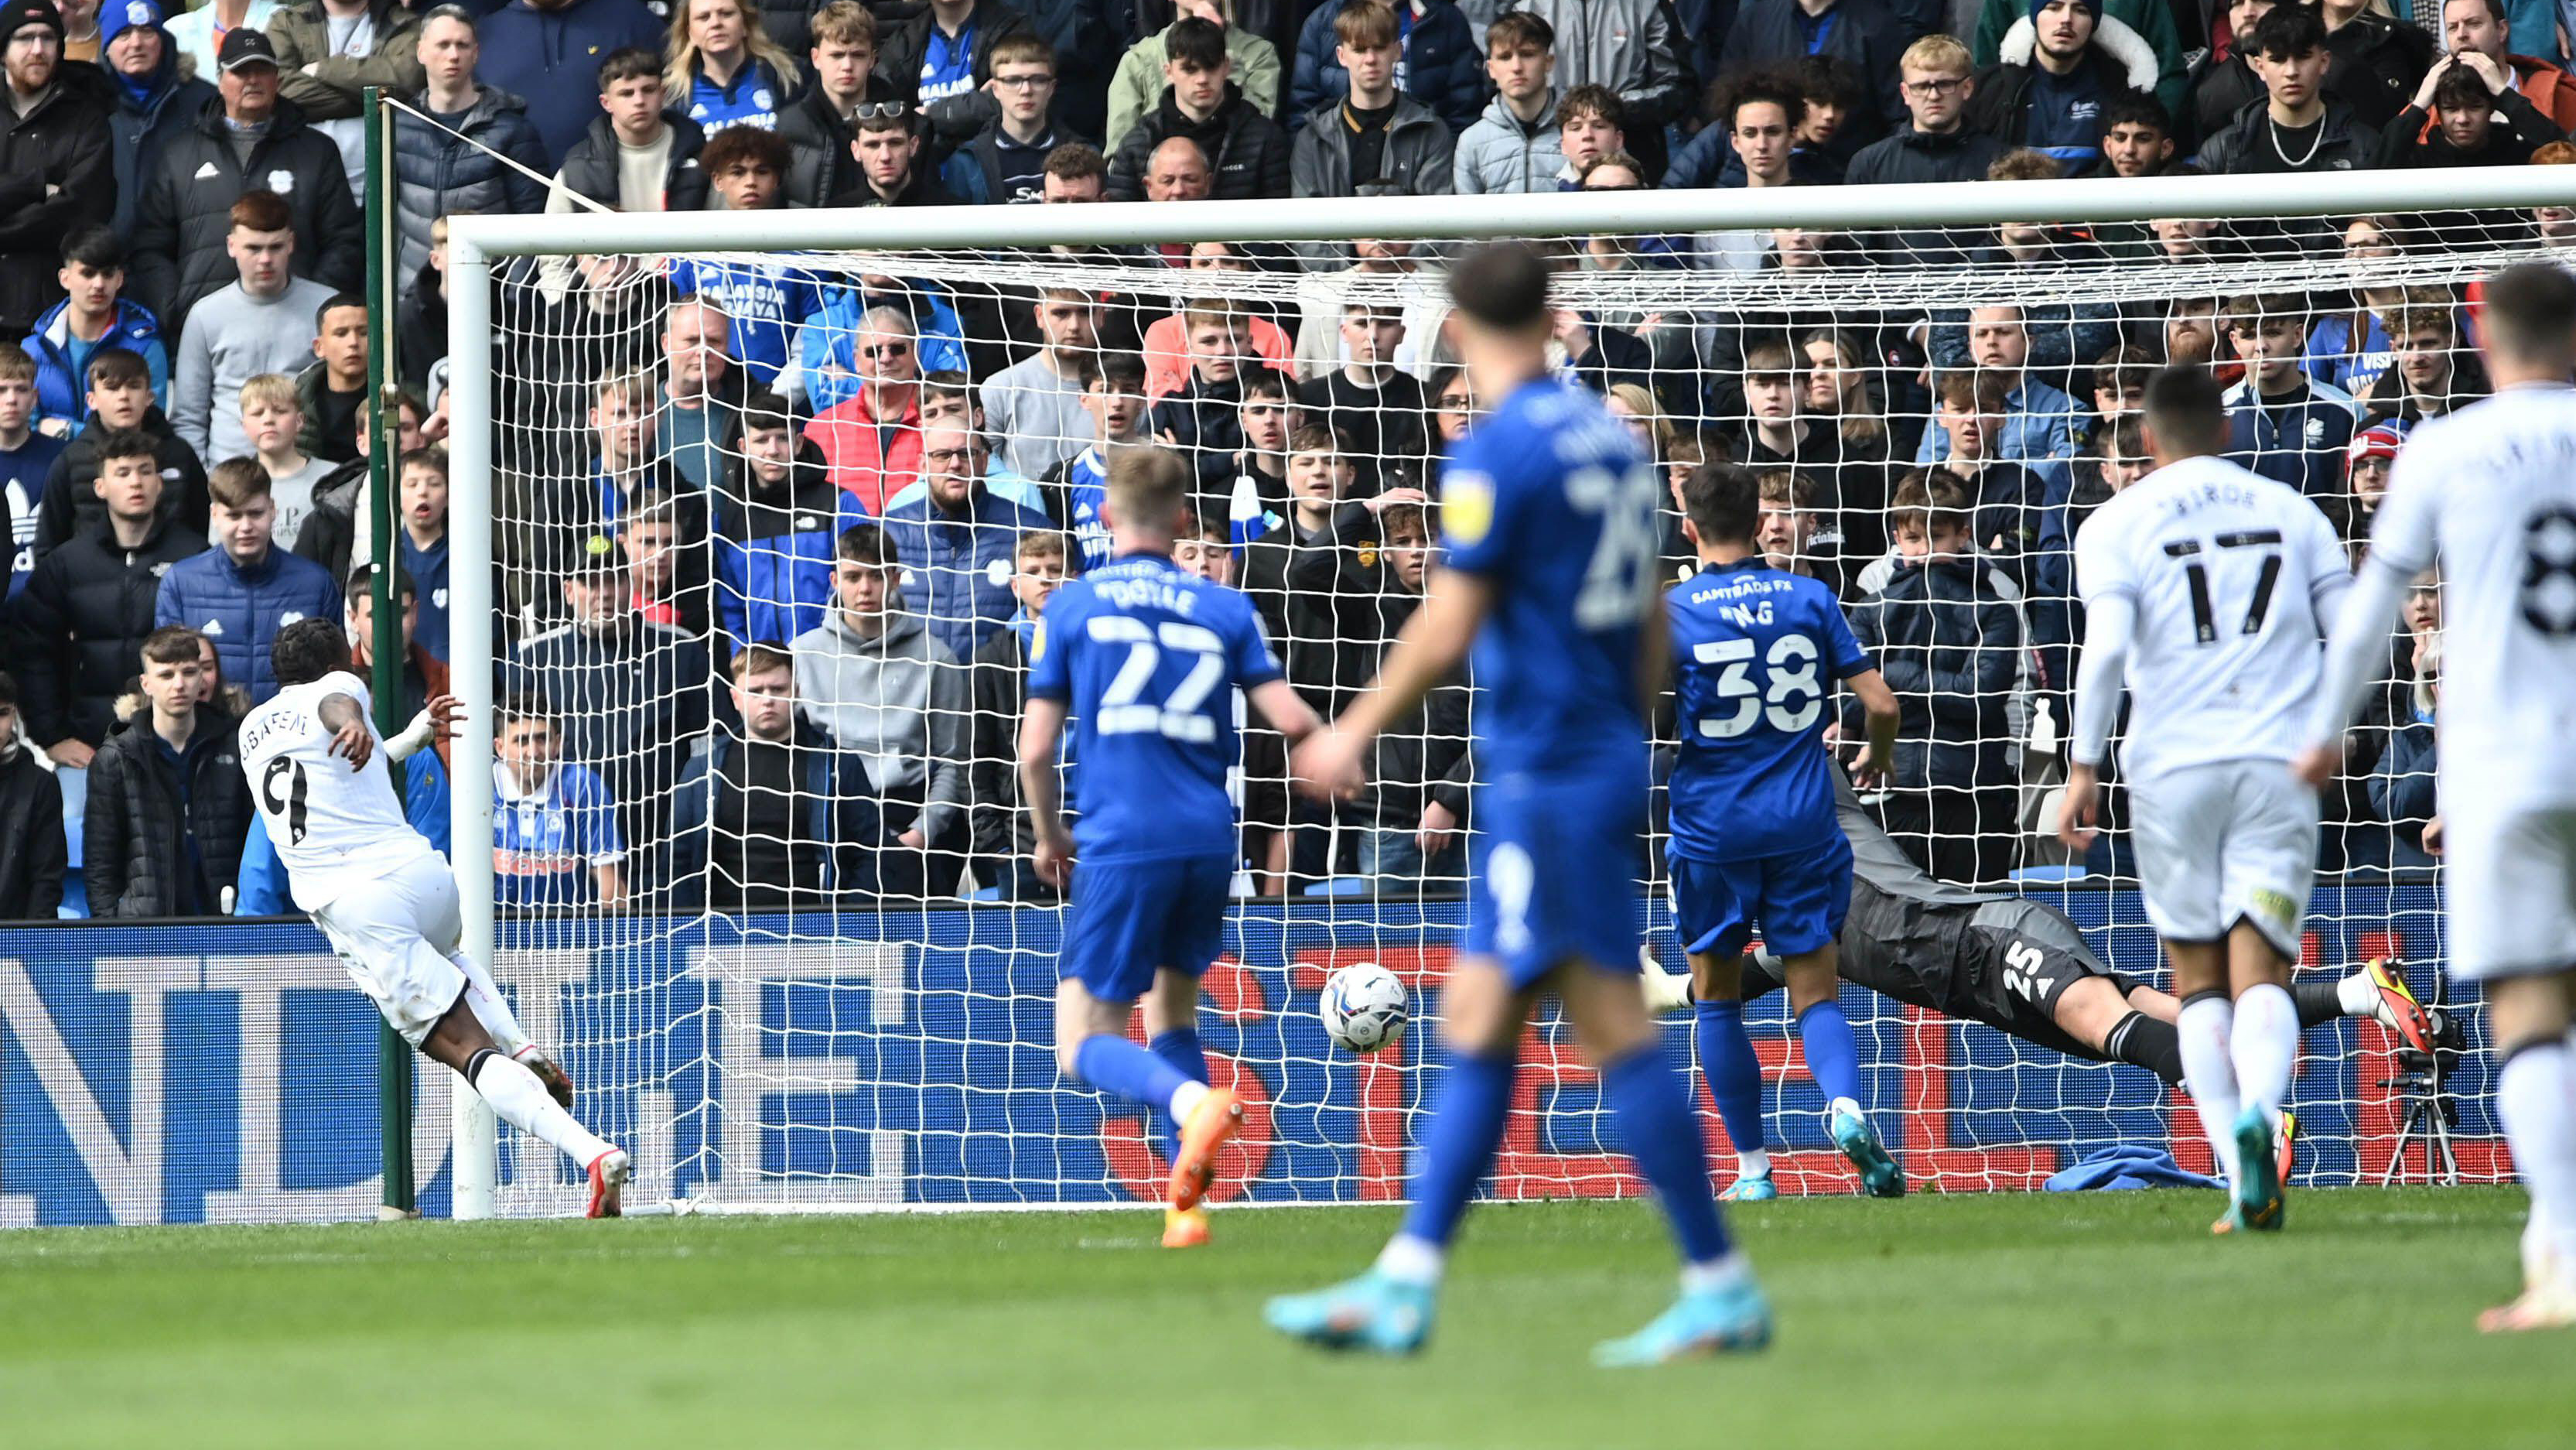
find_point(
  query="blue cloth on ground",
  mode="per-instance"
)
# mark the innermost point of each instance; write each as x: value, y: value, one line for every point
x: 2128, y: 1165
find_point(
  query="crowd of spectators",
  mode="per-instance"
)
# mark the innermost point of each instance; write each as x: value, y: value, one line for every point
x: 776, y: 541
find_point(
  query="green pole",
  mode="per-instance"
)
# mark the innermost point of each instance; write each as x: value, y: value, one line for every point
x: 393, y: 1055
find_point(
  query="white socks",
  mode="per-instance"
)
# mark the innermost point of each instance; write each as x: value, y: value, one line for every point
x: 2357, y: 995
x: 2536, y: 1098
x: 490, y: 1007
x: 1186, y: 1100
x: 2264, y: 1041
x: 1409, y: 1260
x: 1753, y: 1163
x: 520, y: 1101
x: 2209, y: 1073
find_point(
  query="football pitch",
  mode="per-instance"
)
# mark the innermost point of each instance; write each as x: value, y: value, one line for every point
x: 1970, y: 1320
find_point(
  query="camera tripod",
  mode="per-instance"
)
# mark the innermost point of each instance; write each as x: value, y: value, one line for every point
x: 2432, y: 1111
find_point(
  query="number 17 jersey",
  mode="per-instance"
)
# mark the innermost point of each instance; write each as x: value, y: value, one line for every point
x: 333, y: 827
x: 2233, y: 577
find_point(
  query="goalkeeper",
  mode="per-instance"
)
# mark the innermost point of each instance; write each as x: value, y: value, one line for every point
x: 2014, y: 964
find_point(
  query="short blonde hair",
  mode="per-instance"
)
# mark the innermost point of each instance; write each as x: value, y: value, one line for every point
x: 1939, y: 54
x: 1147, y: 486
x: 270, y: 390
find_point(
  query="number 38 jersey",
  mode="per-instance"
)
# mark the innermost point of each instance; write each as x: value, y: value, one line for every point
x: 332, y: 826
x: 2232, y: 577
x: 1756, y: 651
x: 1146, y: 657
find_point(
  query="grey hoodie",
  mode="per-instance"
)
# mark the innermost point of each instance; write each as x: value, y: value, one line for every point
x: 900, y: 700
x: 1500, y: 155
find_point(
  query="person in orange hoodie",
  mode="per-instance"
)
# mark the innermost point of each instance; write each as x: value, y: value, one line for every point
x: 2480, y: 26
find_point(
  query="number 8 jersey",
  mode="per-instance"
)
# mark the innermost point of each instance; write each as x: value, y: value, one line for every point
x: 2232, y: 578
x: 333, y: 827
x: 1757, y: 652
x: 1146, y: 658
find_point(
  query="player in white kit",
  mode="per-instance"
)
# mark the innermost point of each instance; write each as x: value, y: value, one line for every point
x: 2491, y: 492
x: 385, y: 897
x: 2206, y: 587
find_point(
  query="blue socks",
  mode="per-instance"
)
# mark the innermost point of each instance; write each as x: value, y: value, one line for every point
x: 1458, y: 1145
x: 1179, y: 1047
x: 1833, y: 1059
x: 1116, y: 1065
x: 1734, y: 1074
x: 1662, y: 1134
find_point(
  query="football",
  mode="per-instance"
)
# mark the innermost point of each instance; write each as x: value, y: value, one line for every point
x: 1364, y: 1007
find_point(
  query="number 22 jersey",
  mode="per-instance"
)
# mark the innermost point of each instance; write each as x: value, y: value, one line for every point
x: 333, y: 827
x: 1146, y: 657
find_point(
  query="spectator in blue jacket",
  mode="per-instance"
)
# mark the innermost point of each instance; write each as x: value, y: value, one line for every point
x: 1865, y: 34
x: 772, y: 821
x: 957, y: 543
x: 93, y: 314
x: 549, y: 52
x: 724, y: 69
x: 241, y: 595
x: 2282, y: 423
x: 2401, y: 786
x: 1440, y: 66
x: 775, y: 522
x: 151, y: 95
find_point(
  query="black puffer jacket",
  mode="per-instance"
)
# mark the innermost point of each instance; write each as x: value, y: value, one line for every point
x: 1248, y: 155
x: 177, y: 255
x: 135, y: 856
x: 71, y: 504
x: 590, y: 167
x: 76, y: 631
x: 32, y: 854
x: 438, y: 174
x: 819, y: 164
x: 57, y: 175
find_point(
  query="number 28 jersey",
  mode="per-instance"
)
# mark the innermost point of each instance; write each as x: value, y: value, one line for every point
x: 333, y: 827
x: 2232, y: 576
x: 1146, y: 657
x: 1757, y: 652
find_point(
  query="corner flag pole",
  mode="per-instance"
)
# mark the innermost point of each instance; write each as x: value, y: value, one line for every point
x: 393, y: 1055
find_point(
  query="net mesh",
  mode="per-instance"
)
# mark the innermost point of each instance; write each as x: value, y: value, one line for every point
x: 832, y: 974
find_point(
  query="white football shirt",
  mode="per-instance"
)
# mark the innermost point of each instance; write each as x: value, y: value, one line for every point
x: 2491, y: 491
x: 2232, y: 577
x: 333, y: 827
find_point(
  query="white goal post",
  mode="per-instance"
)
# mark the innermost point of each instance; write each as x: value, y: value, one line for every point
x: 1347, y: 1096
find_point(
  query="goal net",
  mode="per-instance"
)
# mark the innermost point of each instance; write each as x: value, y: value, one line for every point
x: 756, y: 513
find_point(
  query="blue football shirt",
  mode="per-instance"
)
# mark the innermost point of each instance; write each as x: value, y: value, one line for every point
x: 1756, y: 650
x: 1552, y: 502
x: 1146, y: 658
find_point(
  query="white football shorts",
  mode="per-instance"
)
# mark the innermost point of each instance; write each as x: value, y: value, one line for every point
x: 2509, y: 887
x: 2230, y: 839
x: 394, y: 934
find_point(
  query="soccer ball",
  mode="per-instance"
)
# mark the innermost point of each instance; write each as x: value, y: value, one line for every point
x: 1365, y: 1007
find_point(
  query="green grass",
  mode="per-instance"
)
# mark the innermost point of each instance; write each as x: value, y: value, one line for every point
x: 2042, y: 1320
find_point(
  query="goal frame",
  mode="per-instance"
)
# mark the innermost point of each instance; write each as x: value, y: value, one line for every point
x: 475, y: 243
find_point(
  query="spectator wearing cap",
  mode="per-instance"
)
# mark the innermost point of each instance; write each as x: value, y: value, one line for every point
x: 262, y: 323
x: 550, y: 52
x: 2367, y: 459
x: 1246, y: 151
x: 329, y: 52
x: 1374, y: 132
x: 2057, y: 77
x: 155, y: 94
x: 249, y: 139
x: 199, y: 33
x: 57, y: 169
x: 1441, y: 67
x: 2004, y: 27
x: 461, y: 158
